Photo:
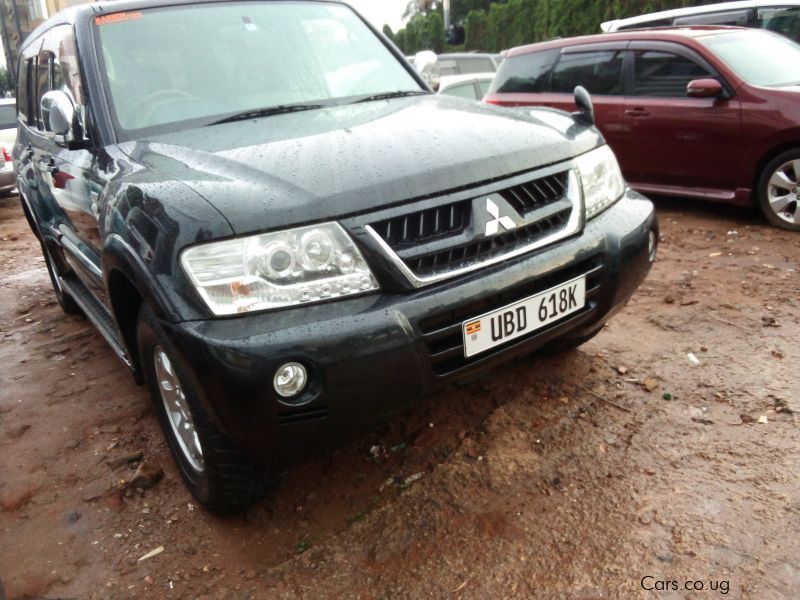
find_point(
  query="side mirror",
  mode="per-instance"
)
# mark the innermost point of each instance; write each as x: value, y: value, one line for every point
x: 704, y: 88
x: 61, y: 121
x: 583, y: 100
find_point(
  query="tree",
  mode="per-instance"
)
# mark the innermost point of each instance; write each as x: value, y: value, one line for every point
x: 494, y: 26
x: 475, y: 30
x: 400, y: 41
x: 387, y: 31
x: 459, y: 9
x: 419, y: 7
x: 434, y: 32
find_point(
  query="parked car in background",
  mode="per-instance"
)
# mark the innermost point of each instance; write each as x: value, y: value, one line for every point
x: 8, y: 122
x: 473, y: 86
x: 8, y: 135
x: 707, y: 112
x: 433, y: 67
x: 782, y: 17
x: 464, y: 63
x: 285, y: 260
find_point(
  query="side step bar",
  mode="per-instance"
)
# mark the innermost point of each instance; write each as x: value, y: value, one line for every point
x: 97, y: 314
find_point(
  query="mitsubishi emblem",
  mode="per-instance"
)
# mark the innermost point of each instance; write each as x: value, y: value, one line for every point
x: 496, y: 222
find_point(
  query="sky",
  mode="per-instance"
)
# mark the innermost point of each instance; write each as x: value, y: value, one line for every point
x: 380, y: 12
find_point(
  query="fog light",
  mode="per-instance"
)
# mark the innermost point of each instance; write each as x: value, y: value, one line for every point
x: 290, y: 379
x: 651, y: 245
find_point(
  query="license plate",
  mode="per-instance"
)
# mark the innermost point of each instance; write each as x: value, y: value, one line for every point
x: 518, y: 319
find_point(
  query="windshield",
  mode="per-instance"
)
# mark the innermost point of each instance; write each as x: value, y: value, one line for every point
x: 781, y: 19
x: 758, y: 57
x: 184, y: 66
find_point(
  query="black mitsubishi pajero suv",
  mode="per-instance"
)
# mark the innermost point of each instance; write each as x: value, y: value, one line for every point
x: 284, y: 233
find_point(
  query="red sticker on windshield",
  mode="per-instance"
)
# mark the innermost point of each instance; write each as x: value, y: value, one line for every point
x: 117, y: 17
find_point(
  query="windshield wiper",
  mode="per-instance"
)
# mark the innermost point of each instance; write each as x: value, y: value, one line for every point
x: 280, y: 109
x: 388, y: 95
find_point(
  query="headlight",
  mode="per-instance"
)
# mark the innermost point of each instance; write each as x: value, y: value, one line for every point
x: 273, y: 270
x: 602, y: 180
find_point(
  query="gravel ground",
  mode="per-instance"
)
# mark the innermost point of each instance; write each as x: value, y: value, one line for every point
x: 663, y: 453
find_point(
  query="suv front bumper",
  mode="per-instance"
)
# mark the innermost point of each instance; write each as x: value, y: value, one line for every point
x: 371, y: 357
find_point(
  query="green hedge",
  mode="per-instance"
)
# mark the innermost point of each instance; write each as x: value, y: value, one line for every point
x: 517, y: 22
x: 422, y: 32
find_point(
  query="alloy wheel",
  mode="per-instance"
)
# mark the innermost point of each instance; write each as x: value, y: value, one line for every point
x: 783, y: 193
x: 177, y: 410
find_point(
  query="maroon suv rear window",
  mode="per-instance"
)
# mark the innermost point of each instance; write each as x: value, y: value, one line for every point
x: 525, y: 73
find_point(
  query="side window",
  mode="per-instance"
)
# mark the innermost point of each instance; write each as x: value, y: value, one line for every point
x: 66, y: 76
x: 463, y: 90
x: 55, y: 68
x: 23, y: 88
x: 41, y: 86
x: 665, y: 75
x: 524, y: 74
x: 599, y: 72
x: 448, y: 67
x: 476, y: 65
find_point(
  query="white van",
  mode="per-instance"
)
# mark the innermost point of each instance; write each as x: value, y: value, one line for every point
x: 781, y: 17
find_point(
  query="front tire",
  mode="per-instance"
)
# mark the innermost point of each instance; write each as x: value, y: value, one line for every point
x: 218, y: 474
x: 779, y: 190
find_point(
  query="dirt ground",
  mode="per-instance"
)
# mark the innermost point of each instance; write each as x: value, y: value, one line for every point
x: 664, y: 453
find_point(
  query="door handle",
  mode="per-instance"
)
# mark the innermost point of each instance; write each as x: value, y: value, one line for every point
x: 637, y: 112
x: 29, y: 152
x: 49, y: 165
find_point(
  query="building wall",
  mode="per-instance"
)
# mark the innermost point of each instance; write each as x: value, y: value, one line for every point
x: 19, y: 17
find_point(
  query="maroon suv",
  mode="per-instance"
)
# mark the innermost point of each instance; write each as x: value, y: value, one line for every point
x: 709, y: 112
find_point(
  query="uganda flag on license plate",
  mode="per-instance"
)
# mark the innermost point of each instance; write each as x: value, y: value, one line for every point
x: 473, y: 327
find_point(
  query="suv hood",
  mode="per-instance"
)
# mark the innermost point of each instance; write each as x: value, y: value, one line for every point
x: 339, y: 161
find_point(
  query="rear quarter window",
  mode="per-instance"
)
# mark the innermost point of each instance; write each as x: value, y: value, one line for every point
x: 524, y: 73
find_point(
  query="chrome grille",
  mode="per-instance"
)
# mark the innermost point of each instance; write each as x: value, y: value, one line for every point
x: 431, y: 263
x: 424, y: 225
x: 436, y: 242
x: 537, y: 193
